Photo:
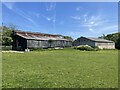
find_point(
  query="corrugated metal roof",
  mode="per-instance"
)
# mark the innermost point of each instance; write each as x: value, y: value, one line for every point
x: 40, y: 36
x: 98, y: 39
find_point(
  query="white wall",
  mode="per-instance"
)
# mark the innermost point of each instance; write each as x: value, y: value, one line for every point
x: 105, y: 45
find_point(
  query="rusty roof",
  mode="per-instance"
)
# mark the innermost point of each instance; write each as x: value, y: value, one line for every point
x: 39, y: 36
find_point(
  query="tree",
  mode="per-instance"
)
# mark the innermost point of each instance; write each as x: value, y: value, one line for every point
x: 118, y: 42
x: 6, y: 36
x: 6, y: 33
x: 68, y: 37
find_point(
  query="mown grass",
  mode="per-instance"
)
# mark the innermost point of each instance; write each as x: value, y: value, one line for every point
x: 61, y: 69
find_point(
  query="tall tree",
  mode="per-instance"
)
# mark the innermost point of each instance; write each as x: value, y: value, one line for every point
x: 6, y: 33
x: 6, y: 36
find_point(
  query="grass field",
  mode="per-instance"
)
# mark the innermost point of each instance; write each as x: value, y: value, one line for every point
x: 61, y: 69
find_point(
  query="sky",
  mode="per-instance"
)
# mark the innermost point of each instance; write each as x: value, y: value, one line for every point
x: 75, y: 19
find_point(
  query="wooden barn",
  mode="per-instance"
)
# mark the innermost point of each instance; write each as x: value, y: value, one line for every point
x: 28, y: 40
x: 93, y: 42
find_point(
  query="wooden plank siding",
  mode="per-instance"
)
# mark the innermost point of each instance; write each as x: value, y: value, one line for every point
x: 46, y: 43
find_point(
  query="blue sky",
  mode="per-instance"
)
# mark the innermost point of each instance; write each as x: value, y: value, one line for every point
x: 90, y: 19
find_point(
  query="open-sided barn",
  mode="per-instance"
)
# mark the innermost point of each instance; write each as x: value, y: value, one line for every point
x: 24, y: 40
x: 93, y: 42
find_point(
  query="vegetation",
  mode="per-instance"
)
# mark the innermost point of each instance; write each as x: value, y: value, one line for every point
x: 68, y: 37
x: 6, y: 48
x: 7, y: 34
x: 86, y: 48
x: 68, y: 68
x: 113, y: 37
x: 118, y: 42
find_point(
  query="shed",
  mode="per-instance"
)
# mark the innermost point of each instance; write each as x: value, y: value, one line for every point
x: 23, y: 40
x: 93, y: 42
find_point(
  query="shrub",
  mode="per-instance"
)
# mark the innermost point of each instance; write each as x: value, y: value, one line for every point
x: 5, y: 48
x: 36, y: 49
x: 86, y: 48
x: 97, y: 48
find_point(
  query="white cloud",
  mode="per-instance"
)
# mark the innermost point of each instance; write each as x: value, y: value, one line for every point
x: 85, y: 15
x: 54, y: 20
x: 94, y: 32
x: 97, y: 20
x: 92, y: 22
x: 97, y: 24
x: 78, y: 8
x: 50, y: 6
x: 48, y: 18
x: 51, y: 19
x: 76, y: 17
x: 104, y: 29
x: 24, y: 15
x: 85, y: 19
x: 9, y: 5
x: 90, y: 29
x: 109, y: 28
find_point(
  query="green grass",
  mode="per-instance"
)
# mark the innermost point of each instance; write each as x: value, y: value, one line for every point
x: 61, y: 69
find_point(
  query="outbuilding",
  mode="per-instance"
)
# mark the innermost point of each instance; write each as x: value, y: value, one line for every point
x: 95, y: 42
x: 27, y: 40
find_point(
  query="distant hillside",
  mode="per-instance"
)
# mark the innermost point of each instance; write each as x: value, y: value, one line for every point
x: 113, y: 37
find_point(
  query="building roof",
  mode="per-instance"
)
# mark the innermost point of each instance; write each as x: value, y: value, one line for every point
x: 99, y: 40
x: 39, y: 36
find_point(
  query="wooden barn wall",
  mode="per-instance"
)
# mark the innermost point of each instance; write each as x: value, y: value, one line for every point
x: 36, y: 44
x: 84, y: 41
x: 45, y: 44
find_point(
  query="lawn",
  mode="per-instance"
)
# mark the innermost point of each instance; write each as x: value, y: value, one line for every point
x: 61, y: 69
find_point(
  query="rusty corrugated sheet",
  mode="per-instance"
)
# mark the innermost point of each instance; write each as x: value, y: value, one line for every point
x: 40, y: 36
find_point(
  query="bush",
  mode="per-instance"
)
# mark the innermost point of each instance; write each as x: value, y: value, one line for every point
x: 86, y: 48
x: 5, y: 48
x: 97, y: 48
x: 37, y: 49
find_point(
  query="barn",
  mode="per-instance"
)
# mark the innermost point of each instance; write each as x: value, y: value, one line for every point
x: 93, y: 42
x: 27, y: 40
